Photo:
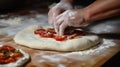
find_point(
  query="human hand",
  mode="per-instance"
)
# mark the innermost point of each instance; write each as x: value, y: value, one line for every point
x: 56, y: 10
x: 75, y: 18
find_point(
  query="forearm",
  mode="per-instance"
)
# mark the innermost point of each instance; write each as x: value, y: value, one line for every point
x: 106, y: 14
x: 102, y: 9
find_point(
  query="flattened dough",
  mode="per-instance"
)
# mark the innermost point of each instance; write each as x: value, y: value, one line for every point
x: 20, y: 62
x: 27, y: 38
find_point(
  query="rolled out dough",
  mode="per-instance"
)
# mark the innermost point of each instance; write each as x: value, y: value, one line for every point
x: 27, y: 38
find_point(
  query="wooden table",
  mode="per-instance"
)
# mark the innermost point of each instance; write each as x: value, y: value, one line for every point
x: 94, y: 57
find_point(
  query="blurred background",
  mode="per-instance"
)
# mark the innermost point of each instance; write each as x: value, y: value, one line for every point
x: 23, y: 6
x: 16, y: 5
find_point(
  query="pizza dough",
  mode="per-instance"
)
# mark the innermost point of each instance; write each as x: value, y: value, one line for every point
x: 20, y: 62
x: 27, y: 38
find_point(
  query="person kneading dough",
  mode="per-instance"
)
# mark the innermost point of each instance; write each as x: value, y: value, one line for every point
x: 63, y: 15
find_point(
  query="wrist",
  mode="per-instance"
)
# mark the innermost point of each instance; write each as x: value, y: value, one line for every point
x: 87, y: 14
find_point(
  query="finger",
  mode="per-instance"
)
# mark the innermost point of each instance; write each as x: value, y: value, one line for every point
x: 52, y: 15
x: 59, y: 16
x: 62, y: 28
x: 68, y: 21
x: 79, y: 22
x: 54, y: 18
x: 83, y: 23
x: 76, y: 23
x: 64, y: 14
x: 59, y: 20
x: 56, y: 27
x: 50, y: 18
x: 57, y: 24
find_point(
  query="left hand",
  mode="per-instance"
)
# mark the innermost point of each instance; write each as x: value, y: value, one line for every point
x: 57, y: 10
x: 73, y: 18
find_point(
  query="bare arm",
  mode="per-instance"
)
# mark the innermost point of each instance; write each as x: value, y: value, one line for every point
x: 102, y: 9
x: 98, y: 10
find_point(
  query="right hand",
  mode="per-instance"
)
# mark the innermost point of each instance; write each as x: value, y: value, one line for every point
x: 74, y: 18
x: 56, y: 10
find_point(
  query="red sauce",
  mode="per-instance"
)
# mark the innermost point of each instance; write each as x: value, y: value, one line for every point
x: 9, y: 54
x: 50, y: 33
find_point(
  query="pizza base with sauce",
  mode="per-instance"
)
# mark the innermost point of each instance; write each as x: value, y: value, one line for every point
x: 12, y: 57
x: 27, y: 37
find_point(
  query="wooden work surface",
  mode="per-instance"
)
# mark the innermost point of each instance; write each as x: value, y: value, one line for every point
x: 93, y: 57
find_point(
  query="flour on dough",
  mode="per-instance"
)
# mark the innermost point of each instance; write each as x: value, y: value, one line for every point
x: 27, y: 38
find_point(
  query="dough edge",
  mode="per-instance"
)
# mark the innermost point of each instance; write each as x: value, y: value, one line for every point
x: 26, y: 37
x: 19, y: 62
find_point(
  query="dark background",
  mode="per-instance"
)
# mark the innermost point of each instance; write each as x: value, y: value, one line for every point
x: 16, y: 5
x: 11, y: 6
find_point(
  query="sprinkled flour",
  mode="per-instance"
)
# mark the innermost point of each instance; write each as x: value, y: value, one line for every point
x: 61, y: 65
x: 12, y: 21
x: 58, y: 59
x: 15, y: 24
x: 79, y: 55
